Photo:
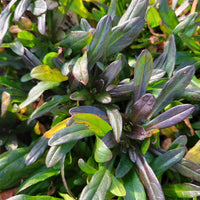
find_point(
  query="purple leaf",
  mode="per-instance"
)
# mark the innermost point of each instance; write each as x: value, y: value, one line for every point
x: 138, y: 133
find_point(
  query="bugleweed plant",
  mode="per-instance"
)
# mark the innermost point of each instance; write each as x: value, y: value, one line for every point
x: 99, y: 119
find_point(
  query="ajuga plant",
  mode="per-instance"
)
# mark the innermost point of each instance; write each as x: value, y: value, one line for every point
x: 101, y: 118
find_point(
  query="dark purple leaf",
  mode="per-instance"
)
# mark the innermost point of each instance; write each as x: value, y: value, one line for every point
x: 109, y: 140
x: 132, y: 154
x: 170, y: 117
x: 149, y: 179
x: 111, y: 72
x: 142, y: 108
x: 138, y: 133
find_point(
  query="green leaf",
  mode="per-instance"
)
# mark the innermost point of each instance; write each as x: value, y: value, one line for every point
x: 86, y: 167
x: 180, y: 141
x: 115, y: 120
x: 94, y: 123
x: 66, y: 196
x: 145, y: 145
x: 98, y: 186
x: 168, y: 159
x: 124, y: 166
x: 102, y: 152
x: 193, y: 153
x: 173, y: 88
x: 45, y: 73
x: 123, y: 35
x: 186, y: 190
x: 56, y: 153
x: 104, y: 97
x: 100, y: 40
x: 48, y: 59
x: 27, y: 39
x: 76, y: 40
x: 153, y: 17
x: 17, y: 47
x: 134, y: 187
x: 48, y: 106
x: 117, y: 188
x: 135, y: 9
x: 38, y: 176
x: 142, y: 73
x: 27, y: 197
x: 81, y: 95
x: 37, y: 90
x: 21, y: 8
x: 149, y: 179
x: 80, y: 71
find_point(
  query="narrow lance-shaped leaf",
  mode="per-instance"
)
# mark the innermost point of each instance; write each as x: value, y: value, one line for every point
x: 142, y: 73
x: 193, y: 153
x: 180, y: 141
x: 85, y: 167
x: 173, y: 88
x: 123, y: 35
x: 115, y: 119
x: 5, y: 102
x: 42, y: 23
x: 36, y: 91
x: 168, y: 159
x: 102, y: 152
x: 21, y: 8
x: 100, y: 39
x: 80, y: 71
x: 98, y: 186
x: 135, y: 9
x: 185, y: 190
x: 149, y: 179
x: 170, y: 117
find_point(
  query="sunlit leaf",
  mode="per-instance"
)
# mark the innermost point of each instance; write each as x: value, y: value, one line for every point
x: 153, y: 17
x: 103, y: 97
x: 5, y: 102
x: 21, y: 8
x: 193, y: 153
x: 27, y: 197
x: 85, y: 167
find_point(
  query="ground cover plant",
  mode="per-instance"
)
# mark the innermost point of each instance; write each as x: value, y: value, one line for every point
x: 99, y: 100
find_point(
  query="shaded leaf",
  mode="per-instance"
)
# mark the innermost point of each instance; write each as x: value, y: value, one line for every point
x: 68, y: 65
x: 38, y: 176
x: 98, y: 186
x: 109, y: 140
x: 80, y: 71
x: 86, y: 167
x: 168, y: 159
x: 135, y: 9
x: 45, y: 73
x: 103, y: 97
x: 116, y: 122
x: 159, y: 61
x: 157, y: 74
x: 170, y: 117
x: 123, y: 35
x: 180, y: 141
x: 185, y: 190
x: 37, y: 90
x: 173, y: 88
x: 56, y: 153
x: 102, y: 152
x: 85, y: 25
x: 81, y: 95
x: 137, y: 133
x: 94, y: 123
x: 27, y: 197
x: 149, y: 179
x: 37, y: 150
x: 99, y: 42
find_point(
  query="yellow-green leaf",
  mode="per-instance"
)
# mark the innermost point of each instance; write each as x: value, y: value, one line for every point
x: 194, y: 153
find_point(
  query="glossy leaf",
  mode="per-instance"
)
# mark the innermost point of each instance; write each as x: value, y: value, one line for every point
x: 76, y: 40
x: 123, y: 35
x: 68, y: 65
x: 109, y: 140
x: 170, y: 117
x: 48, y: 106
x: 142, y: 108
x: 42, y: 23
x: 170, y: 50
x: 117, y: 188
x: 56, y: 128
x: 188, y: 168
x: 36, y: 91
x: 66, y: 132
x: 56, y: 153
x: 21, y: 8
x: 168, y: 159
x: 111, y: 72
x: 27, y: 197
x: 142, y: 73
x: 193, y: 153
x: 157, y: 74
x: 85, y: 167
x: 39, y: 7
x: 173, y: 88
x: 81, y: 95
x: 116, y: 122
x: 137, y: 133
x: 135, y: 9
x: 99, y: 42
x: 98, y: 186
x: 180, y: 141
x: 185, y: 190
x: 94, y: 123
x: 102, y: 152
x: 89, y: 109
x: 149, y: 179
x: 37, y: 150
x: 103, y: 97
x: 134, y: 187
x: 38, y: 176
x: 124, y: 166
x: 80, y: 71
x: 45, y: 73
